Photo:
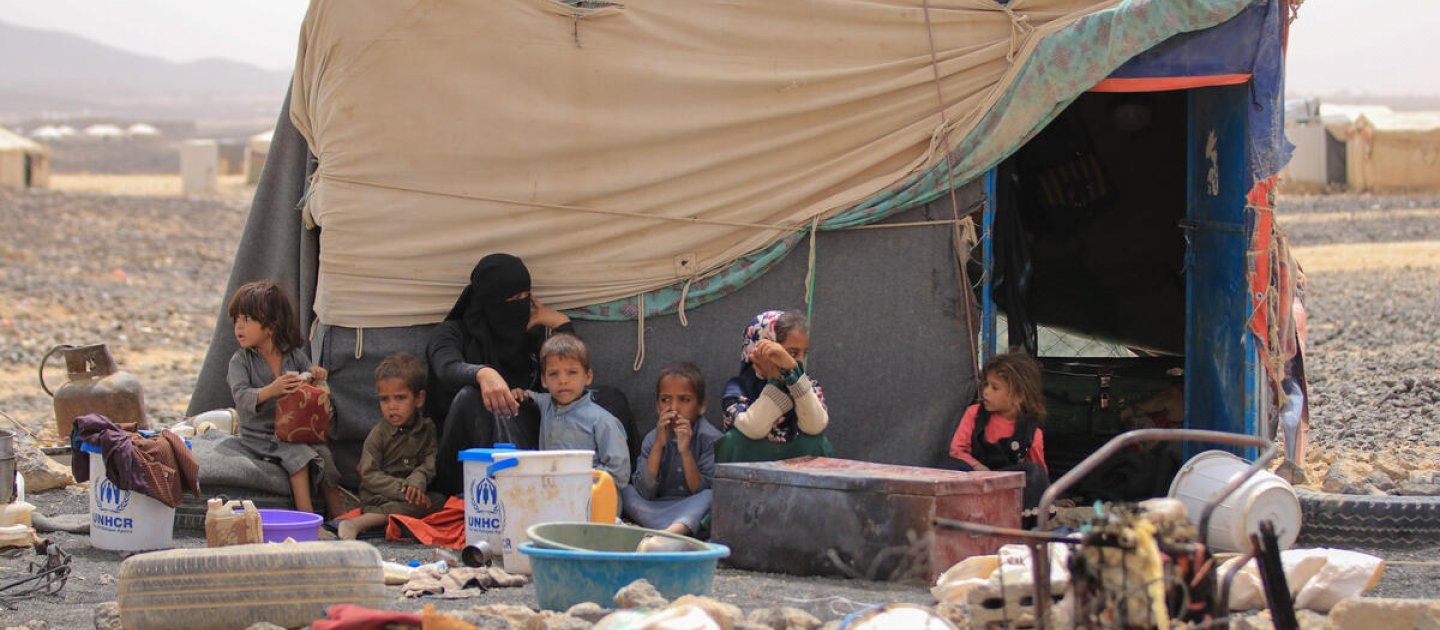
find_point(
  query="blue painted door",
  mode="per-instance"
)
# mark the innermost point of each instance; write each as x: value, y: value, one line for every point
x: 1219, y: 354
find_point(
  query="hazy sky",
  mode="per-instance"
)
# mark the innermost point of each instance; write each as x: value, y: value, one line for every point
x: 1381, y: 47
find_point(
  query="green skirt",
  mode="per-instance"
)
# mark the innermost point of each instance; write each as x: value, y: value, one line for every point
x: 735, y: 447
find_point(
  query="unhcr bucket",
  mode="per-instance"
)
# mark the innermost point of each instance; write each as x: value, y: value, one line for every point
x: 538, y: 487
x: 121, y: 520
x: 1264, y: 497
x: 484, y: 514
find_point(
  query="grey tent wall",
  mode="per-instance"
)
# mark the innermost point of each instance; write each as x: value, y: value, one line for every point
x: 274, y: 245
x: 889, y: 344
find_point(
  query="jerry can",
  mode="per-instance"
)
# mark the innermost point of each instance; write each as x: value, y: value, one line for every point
x: 224, y: 525
x: 95, y: 386
x: 604, y: 498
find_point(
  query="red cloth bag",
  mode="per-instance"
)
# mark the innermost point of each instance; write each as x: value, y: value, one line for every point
x: 304, y: 415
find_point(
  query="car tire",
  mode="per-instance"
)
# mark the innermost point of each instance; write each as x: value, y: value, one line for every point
x: 1348, y: 520
x: 289, y: 585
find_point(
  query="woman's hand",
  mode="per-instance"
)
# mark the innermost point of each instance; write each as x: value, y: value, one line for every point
x: 318, y: 373
x: 541, y: 315
x: 496, y: 393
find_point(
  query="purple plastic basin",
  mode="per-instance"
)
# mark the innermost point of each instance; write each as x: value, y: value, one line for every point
x: 277, y: 525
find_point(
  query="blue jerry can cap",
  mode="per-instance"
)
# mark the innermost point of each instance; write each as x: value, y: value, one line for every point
x: 486, y: 454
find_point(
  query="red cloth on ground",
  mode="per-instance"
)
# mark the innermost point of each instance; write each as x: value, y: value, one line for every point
x: 352, y: 617
x: 444, y: 528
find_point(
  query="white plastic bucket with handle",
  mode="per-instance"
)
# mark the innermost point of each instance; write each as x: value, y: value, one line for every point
x: 1264, y: 497
x: 538, y: 487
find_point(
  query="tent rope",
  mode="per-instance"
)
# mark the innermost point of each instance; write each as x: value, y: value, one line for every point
x: 961, y: 243
x: 1020, y: 30
x: 639, y: 334
x: 684, y: 295
x: 810, y: 276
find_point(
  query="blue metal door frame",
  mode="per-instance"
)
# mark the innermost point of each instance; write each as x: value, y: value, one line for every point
x: 1222, y: 384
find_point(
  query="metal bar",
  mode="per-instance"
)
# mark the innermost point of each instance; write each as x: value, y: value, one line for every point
x: 987, y: 269
x: 991, y: 530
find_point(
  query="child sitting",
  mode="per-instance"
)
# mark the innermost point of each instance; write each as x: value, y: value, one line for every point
x: 398, y: 459
x: 569, y: 416
x: 671, y: 489
x: 268, y: 365
x: 773, y: 409
x: 1002, y: 432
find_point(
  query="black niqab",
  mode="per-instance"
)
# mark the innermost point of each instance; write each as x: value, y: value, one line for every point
x: 495, y: 327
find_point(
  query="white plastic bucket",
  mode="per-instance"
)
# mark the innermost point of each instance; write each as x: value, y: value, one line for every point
x: 484, y: 513
x: 1264, y: 497
x: 538, y: 487
x: 121, y: 520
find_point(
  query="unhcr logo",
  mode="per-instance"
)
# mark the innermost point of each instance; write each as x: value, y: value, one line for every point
x: 487, y: 514
x: 110, y: 497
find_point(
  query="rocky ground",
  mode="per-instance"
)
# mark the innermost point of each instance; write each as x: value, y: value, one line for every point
x: 145, y: 276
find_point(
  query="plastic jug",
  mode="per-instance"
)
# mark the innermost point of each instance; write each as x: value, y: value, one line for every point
x: 225, y: 526
x: 95, y: 386
x: 604, y: 498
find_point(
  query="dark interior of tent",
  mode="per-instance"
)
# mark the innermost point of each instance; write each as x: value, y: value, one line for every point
x: 1089, y: 241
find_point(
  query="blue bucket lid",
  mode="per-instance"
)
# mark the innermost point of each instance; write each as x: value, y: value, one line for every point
x: 91, y: 448
x: 486, y: 454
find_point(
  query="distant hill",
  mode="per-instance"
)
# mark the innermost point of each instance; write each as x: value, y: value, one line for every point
x: 58, y: 74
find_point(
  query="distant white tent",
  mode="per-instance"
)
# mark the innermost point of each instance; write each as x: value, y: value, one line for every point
x: 53, y: 132
x: 24, y: 163
x: 257, y: 148
x: 142, y: 130
x: 104, y: 131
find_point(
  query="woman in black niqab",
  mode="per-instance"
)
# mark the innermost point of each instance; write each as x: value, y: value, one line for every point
x: 486, y: 347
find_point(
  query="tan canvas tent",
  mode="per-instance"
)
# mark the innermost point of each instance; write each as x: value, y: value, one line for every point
x: 1394, y: 152
x: 24, y: 163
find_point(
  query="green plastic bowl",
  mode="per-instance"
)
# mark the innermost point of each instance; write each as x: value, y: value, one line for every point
x: 582, y: 536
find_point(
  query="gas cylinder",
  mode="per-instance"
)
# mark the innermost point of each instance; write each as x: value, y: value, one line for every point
x: 95, y: 386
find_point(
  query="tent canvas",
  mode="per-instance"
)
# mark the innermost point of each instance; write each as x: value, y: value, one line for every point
x: 24, y: 163
x: 892, y: 317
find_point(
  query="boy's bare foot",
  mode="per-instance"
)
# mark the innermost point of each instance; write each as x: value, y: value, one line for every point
x: 348, y: 529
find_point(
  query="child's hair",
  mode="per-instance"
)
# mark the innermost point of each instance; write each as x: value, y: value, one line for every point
x: 565, y: 346
x: 789, y: 320
x: 687, y: 371
x: 1022, y: 372
x: 265, y: 302
x: 404, y: 366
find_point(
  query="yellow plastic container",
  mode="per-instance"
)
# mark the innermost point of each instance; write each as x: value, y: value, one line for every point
x: 604, y: 498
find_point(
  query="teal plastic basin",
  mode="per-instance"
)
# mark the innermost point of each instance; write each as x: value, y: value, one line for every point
x: 565, y: 577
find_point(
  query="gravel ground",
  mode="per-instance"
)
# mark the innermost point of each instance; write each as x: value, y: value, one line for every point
x: 144, y: 275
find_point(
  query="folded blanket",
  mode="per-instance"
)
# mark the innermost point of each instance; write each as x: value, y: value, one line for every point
x: 224, y: 463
